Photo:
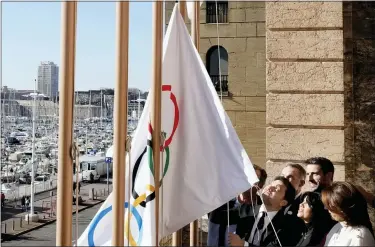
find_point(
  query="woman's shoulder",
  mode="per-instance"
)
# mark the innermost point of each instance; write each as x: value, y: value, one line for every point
x: 361, y: 231
x: 336, y: 227
x: 362, y: 236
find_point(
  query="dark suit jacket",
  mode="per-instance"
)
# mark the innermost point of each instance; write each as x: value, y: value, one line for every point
x: 220, y: 215
x: 244, y: 213
x: 287, y: 227
x: 330, y: 222
x: 293, y: 208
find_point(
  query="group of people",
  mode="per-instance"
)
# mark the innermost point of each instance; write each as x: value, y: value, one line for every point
x: 25, y: 203
x: 285, y: 213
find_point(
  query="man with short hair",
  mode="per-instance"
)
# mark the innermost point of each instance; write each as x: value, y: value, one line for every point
x: 296, y: 175
x: 266, y: 224
x: 319, y: 173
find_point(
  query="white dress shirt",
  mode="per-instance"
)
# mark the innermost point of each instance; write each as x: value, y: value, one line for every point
x: 342, y: 235
x: 269, y: 216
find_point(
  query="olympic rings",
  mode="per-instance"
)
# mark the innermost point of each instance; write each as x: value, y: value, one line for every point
x: 142, y: 199
x: 168, y: 88
x: 103, y: 213
x: 151, y: 165
x: 138, y: 201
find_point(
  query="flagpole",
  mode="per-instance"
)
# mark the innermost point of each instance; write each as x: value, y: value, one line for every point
x: 157, y: 45
x: 66, y: 105
x: 120, y: 121
x: 177, y: 236
x: 196, y: 36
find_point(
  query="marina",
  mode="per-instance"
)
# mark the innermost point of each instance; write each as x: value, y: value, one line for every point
x: 29, y: 135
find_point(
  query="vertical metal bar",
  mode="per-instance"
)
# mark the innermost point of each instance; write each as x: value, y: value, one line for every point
x: 157, y: 46
x: 195, y: 28
x: 120, y: 121
x: 32, y: 187
x: 76, y: 155
x: 66, y: 105
x: 182, y: 6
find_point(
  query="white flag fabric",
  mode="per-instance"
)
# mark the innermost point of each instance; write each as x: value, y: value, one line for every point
x: 190, y: 8
x: 203, y: 164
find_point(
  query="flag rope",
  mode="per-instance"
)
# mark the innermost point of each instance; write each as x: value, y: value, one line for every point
x: 127, y: 220
x: 220, y: 85
x: 76, y: 159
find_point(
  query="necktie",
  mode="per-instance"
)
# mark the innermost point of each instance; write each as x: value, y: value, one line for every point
x: 259, y: 230
x: 261, y: 221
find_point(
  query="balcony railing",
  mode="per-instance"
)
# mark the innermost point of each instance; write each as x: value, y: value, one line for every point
x: 224, y: 83
x: 222, y: 15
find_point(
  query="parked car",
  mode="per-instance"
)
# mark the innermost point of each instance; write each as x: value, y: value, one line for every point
x: 8, y: 189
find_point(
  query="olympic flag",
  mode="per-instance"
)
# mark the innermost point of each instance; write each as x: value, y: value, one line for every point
x: 204, y: 165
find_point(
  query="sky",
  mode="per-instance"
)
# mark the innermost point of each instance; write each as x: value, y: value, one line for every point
x: 31, y: 33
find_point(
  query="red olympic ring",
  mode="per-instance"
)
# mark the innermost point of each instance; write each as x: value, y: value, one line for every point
x: 168, y: 88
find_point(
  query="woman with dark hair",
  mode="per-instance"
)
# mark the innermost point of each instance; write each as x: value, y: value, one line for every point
x: 316, y: 219
x: 347, y: 206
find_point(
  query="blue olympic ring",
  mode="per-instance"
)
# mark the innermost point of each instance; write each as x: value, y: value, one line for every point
x: 103, y: 213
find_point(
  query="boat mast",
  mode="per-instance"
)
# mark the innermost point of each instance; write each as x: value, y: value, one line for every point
x: 101, y: 108
x: 33, y: 154
x: 139, y: 104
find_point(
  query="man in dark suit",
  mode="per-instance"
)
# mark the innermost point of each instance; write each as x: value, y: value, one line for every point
x: 255, y: 228
x: 296, y: 175
x: 319, y: 175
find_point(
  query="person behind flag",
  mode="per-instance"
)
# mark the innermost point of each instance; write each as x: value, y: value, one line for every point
x: 259, y: 231
x: 251, y: 195
x: 247, y: 200
x: 218, y: 219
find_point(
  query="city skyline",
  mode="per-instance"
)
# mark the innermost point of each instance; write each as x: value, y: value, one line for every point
x: 31, y: 34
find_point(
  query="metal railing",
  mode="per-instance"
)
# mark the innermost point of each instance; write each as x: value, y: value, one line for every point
x: 222, y: 9
x: 224, y: 83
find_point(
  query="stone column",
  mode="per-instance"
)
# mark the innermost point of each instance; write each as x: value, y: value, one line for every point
x: 305, y: 88
x: 359, y: 74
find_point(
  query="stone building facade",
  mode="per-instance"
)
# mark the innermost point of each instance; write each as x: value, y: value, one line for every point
x: 305, y: 86
x: 301, y: 82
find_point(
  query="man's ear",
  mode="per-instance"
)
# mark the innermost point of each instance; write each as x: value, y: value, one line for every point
x: 283, y: 203
x: 329, y: 175
x: 302, y: 183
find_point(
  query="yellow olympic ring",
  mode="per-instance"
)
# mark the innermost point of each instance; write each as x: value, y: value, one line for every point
x: 138, y: 201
